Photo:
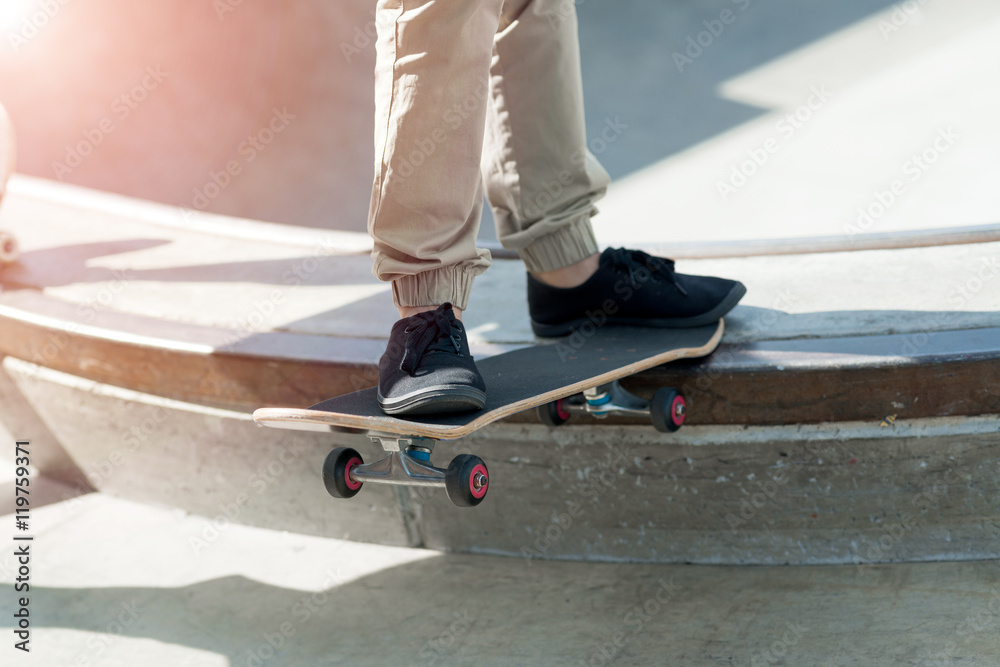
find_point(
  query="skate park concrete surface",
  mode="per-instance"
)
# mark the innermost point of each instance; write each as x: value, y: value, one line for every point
x: 115, y: 582
x: 833, y: 499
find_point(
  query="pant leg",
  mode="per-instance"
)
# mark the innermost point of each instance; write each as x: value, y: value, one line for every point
x: 431, y: 88
x: 541, y: 180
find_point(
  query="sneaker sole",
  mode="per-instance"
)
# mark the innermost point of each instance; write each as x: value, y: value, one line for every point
x: 441, y: 399
x: 724, y: 306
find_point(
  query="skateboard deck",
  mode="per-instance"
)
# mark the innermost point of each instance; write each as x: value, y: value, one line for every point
x: 578, y: 373
x: 515, y: 381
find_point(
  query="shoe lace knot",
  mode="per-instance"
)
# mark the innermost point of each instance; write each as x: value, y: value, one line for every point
x: 641, y: 266
x: 432, y: 331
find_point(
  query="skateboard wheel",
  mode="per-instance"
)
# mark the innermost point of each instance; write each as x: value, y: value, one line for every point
x: 467, y: 480
x: 554, y: 413
x: 667, y: 410
x: 337, y: 472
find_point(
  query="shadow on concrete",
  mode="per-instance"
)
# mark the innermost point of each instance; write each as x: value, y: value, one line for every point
x: 441, y: 610
x: 630, y: 73
x: 871, y: 331
x: 42, y: 493
x: 461, y: 610
x: 68, y: 264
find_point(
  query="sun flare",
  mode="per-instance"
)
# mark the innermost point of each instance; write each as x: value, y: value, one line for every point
x: 14, y: 12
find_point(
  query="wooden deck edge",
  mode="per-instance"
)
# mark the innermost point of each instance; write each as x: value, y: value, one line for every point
x: 769, y: 382
x: 298, y: 419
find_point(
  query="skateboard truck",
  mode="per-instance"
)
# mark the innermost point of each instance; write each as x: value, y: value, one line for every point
x: 666, y: 409
x: 466, y: 479
x: 408, y: 464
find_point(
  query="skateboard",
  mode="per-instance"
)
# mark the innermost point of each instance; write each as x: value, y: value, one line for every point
x: 578, y: 374
x: 8, y: 156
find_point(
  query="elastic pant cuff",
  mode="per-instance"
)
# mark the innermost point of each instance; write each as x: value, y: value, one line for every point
x: 449, y: 284
x: 567, y: 245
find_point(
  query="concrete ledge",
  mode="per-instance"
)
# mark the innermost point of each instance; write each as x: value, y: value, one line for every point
x: 19, y: 421
x: 916, y: 375
x: 778, y: 495
x: 211, y: 462
x: 835, y: 493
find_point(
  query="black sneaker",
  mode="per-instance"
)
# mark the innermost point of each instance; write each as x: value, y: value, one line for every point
x: 427, y: 367
x: 632, y: 288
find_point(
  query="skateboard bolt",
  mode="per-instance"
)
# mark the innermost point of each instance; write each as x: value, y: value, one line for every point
x: 479, y: 481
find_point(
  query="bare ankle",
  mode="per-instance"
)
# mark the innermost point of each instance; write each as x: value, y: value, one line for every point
x: 573, y: 275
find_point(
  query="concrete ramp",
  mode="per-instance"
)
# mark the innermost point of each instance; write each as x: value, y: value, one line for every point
x: 850, y: 415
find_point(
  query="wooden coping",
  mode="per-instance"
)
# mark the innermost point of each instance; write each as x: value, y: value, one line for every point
x: 871, y: 378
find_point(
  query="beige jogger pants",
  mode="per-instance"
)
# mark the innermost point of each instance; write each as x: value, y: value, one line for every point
x: 472, y: 94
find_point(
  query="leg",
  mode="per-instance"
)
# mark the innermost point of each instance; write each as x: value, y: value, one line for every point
x: 433, y: 59
x: 541, y: 180
x: 431, y: 85
x: 542, y: 183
